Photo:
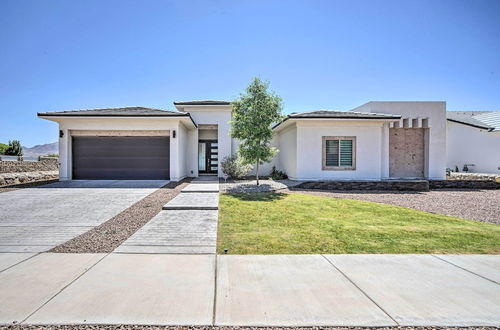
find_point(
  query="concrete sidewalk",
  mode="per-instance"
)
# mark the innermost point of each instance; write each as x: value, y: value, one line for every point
x: 254, y: 290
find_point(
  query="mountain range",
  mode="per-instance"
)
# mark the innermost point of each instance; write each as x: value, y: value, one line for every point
x: 41, y: 150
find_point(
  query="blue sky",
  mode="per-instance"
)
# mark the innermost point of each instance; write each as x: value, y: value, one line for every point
x: 57, y: 55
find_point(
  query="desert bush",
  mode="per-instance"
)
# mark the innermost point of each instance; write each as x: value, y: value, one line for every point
x: 278, y: 175
x: 234, y: 167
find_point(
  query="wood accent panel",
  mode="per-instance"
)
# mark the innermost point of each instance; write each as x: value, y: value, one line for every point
x: 119, y: 132
x: 406, y: 152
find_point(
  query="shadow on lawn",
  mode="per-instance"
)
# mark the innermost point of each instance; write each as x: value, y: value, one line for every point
x: 258, y: 197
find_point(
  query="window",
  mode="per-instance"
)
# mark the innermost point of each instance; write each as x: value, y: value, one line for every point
x: 339, y: 153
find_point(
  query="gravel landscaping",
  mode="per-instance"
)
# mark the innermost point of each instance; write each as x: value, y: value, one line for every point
x: 109, y: 235
x: 152, y: 327
x: 242, y: 186
x: 480, y: 205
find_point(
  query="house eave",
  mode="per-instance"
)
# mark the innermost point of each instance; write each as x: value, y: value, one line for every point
x: 349, y: 118
x: 93, y: 116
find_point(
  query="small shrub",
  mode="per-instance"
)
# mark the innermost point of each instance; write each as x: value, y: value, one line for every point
x: 234, y: 167
x: 3, y: 147
x: 278, y: 175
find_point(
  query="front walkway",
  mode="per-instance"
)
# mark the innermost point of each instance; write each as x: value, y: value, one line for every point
x: 279, y: 290
x: 187, y: 224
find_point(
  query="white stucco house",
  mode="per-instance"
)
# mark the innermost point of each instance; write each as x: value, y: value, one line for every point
x: 378, y: 140
x: 473, y: 138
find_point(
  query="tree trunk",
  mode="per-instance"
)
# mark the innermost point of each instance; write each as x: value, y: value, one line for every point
x: 257, y: 172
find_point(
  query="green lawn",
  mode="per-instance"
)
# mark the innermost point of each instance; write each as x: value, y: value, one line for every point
x: 272, y: 223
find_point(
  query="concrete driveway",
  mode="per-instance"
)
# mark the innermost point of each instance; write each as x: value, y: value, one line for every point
x: 38, y: 219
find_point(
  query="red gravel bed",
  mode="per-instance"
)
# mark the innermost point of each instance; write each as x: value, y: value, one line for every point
x: 153, y: 327
x: 480, y: 205
x: 110, y: 234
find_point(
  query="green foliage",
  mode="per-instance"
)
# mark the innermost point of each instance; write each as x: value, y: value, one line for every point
x: 14, y: 148
x: 3, y: 147
x: 278, y: 175
x: 253, y: 115
x: 280, y: 223
x: 53, y: 155
x: 234, y: 167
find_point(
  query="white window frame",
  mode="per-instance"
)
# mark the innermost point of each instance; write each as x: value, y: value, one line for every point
x: 324, y: 167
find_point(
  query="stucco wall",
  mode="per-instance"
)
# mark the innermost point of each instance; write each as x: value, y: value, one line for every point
x: 436, y: 134
x: 368, y: 149
x: 470, y: 145
x: 182, y: 138
x: 288, y: 151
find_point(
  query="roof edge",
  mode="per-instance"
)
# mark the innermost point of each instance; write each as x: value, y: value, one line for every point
x: 489, y: 128
x: 338, y: 118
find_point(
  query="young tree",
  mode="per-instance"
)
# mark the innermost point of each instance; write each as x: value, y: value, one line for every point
x: 254, y: 112
x: 14, y: 148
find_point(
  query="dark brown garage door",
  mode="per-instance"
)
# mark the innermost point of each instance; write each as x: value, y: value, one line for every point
x: 121, y: 158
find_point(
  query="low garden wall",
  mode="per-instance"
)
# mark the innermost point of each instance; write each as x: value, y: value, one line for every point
x: 473, y: 176
x: 397, y: 185
x: 7, y: 179
x: 45, y: 164
x: 464, y: 184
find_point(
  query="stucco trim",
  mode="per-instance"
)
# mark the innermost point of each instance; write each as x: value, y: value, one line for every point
x: 120, y: 132
x: 337, y: 168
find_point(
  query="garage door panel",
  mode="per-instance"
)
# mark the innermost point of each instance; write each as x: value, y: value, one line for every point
x: 119, y: 158
x: 123, y: 162
x: 122, y: 174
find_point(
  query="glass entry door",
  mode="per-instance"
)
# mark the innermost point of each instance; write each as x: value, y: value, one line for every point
x: 208, y: 156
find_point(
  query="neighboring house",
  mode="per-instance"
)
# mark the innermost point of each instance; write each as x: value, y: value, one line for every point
x: 474, y: 138
x: 377, y: 140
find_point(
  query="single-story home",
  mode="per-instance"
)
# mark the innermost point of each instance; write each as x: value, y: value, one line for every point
x: 378, y: 140
x: 473, y: 139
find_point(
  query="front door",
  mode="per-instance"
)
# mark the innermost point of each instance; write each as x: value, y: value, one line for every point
x: 208, y: 157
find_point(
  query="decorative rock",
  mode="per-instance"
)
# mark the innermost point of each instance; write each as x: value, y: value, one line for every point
x: 25, y: 177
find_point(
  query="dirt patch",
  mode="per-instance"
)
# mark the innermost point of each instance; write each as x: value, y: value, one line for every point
x: 110, y: 234
x: 480, y: 205
x: 26, y: 185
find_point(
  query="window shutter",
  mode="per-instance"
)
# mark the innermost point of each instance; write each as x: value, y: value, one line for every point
x: 345, y: 152
x: 332, y: 152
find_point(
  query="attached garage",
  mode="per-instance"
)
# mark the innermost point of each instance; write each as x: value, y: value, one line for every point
x: 121, y: 157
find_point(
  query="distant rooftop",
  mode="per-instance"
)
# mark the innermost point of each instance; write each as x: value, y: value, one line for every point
x: 337, y: 114
x: 116, y: 112
x: 342, y: 114
x: 481, y: 119
x: 203, y: 102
